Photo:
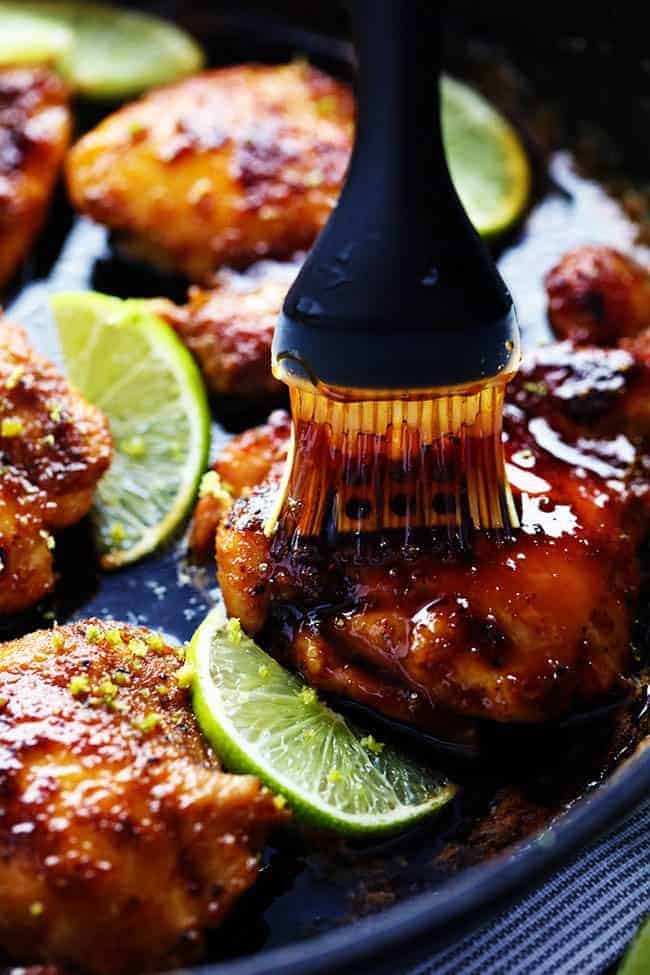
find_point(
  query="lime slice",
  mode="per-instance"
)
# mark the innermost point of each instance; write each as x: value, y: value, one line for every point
x: 488, y: 163
x: 131, y: 365
x: 27, y: 38
x: 109, y: 52
x: 637, y: 958
x: 262, y: 719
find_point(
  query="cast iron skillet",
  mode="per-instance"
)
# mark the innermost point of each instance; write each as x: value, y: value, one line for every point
x: 306, y: 913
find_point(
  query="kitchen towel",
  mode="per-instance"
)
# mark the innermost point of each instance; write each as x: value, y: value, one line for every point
x: 578, y: 921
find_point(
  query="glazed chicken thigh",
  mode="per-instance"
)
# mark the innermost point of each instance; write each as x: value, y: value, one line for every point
x: 519, y: 629
x: 222, y: 168
x: 54, y: 448
x: 121, y: 840
x: 35, y: 127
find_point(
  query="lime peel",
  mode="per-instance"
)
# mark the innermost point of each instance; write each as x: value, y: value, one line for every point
x: 261, y: 720
x: 26, y: 37
x: 487, y: 160
x: 101, y: 50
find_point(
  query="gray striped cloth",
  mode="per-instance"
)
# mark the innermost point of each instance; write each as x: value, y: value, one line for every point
x: 577, y: 922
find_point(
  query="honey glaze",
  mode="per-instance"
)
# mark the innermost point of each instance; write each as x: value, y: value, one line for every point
x: 523, y: 626
x: 514, y: 631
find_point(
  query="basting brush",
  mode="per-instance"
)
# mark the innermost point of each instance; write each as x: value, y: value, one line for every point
x: 398, y: 337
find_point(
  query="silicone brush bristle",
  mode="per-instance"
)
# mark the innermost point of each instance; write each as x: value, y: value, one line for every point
x: 400, y: 465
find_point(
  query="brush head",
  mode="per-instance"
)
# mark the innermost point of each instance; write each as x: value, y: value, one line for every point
x: 427, y: 465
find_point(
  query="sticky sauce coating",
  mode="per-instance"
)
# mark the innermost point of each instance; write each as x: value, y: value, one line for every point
x: 121, y: 840
x: 222, y: 168
x: 54, y: 447
x: 35, y: 129
x: 522, y: 629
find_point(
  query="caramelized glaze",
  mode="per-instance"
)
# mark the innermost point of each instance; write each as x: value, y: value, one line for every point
x: 35, y: 128
x: 54, y: 447
x: 522, y: 628
x: 222, y: 168
x: 121, y: 840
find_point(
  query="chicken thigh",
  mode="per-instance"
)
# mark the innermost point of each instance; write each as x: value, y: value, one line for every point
x: 121, y: 840
x: 522, y: 629
x: 54, y: 447
x: 222, y: 168
x: 35, y: 127
x: 229, y: 327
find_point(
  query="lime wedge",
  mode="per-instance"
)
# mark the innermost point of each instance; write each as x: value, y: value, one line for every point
x: 103, y: 51
x: 488, y: 163
x: 28, y: 38
x: 262, y: 719
x: 132, y: 365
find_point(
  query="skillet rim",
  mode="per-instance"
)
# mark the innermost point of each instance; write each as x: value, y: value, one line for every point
x: 473, y: 888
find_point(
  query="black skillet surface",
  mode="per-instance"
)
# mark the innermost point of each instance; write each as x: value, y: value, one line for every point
x: 320, y: 902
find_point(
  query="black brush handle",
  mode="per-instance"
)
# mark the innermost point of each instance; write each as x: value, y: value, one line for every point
x: 399, y: 291
x: 399, y: 164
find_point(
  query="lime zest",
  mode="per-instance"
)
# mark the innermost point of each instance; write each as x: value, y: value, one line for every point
x: 308, y: 695
x: 137, y: 648
x: 185, y: 675
x: 234, y: 630
x: 14, y: 377
x: 11, y: 426
x: 148, y: 723
x: 212, y: 486
x: 79, y: 685
x: 372, y: 745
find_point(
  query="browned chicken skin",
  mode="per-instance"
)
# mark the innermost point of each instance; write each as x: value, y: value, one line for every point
x: 518, y: 630
x: 229, y: 327
x: 54, y: 447
x: 222, y: 168
x: 596, y: 295
x: 35, y: 127
x: 121, y: 840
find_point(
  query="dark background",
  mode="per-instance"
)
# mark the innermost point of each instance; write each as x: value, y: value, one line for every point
x: 594, y: 57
